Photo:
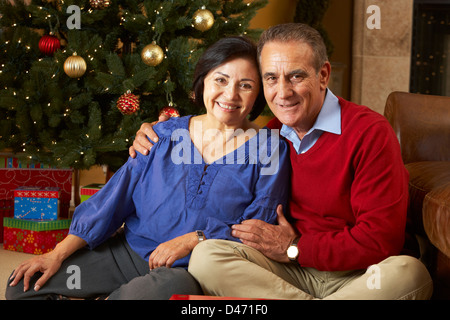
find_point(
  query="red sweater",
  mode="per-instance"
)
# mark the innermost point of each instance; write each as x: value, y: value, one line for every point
x: 349, y: 193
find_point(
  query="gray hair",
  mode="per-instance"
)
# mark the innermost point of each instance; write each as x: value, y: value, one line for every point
x: 296, y: 32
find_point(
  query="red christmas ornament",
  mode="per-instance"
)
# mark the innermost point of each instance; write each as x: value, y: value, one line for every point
x: 49, y: 44
x: 169, y: 111
x: 128, y: 103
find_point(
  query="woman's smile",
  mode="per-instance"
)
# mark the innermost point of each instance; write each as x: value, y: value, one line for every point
x: 227, y: 106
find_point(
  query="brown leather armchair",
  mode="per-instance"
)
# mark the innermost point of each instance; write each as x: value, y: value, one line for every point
x: 422, y: 125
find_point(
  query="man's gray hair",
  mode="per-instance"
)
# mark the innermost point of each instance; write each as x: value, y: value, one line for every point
x: 296, y: 32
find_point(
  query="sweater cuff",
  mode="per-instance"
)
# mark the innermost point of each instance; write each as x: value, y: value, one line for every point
x: 305, y: 255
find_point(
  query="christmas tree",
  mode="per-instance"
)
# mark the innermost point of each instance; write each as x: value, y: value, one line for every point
x: 312, y: 13
x: 77, y: 78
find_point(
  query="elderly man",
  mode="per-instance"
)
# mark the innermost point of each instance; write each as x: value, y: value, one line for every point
x: 349, y: 194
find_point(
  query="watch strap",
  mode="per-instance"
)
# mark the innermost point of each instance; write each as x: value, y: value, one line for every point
x: 200, y: 235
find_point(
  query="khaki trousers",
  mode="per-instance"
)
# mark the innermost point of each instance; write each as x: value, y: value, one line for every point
x: 227, y: 268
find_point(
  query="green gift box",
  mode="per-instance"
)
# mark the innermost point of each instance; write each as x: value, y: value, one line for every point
x: 31, y: 236
x: 87, y: 191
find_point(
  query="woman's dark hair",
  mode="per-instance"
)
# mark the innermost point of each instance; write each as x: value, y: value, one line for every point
x: 220, y: 52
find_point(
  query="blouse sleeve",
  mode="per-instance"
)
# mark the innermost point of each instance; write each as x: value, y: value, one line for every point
x: 97, y: 218
x: 270, y: 190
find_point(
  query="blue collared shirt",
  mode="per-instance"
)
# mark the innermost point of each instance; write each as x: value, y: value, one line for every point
x: 329, y: 120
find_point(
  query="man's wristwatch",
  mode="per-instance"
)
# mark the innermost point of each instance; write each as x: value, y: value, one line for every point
x: 200, y: 235
x: 292, y: 251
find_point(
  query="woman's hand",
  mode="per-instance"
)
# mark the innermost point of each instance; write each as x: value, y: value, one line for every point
x: 48, y: 264
x: 170, y: 251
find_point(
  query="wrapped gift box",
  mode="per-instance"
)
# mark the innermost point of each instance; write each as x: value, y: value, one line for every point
x: 36, y: 203
x: 36, y: 237
x: 2, y: 214
x: 12, y: 178
x: 12, y: 162
x: 87, y: 191
x: 15, y: 173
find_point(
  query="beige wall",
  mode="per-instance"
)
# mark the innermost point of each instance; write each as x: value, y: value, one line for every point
x: 381, y: 57
x: 96, y: 174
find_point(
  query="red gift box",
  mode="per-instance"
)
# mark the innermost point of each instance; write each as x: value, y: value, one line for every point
x: 12, y: 178
x: 36, y: 237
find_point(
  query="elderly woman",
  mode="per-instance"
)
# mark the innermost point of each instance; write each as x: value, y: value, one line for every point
x: 209, y: 172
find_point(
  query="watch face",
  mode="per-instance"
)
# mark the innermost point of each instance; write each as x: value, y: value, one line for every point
x: 292, y: 252
x: 200, y: 235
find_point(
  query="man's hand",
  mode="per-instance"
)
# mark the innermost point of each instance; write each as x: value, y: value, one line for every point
x: 271, y: 240
x: 141, y: 142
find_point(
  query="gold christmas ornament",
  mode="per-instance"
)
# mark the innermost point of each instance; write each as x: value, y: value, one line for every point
x: 152, y: 54
x: 203, y: 19
x: 99, y: 4
x: 75, y: 66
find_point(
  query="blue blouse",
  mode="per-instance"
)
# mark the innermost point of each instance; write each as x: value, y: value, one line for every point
x: 172, y: 191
